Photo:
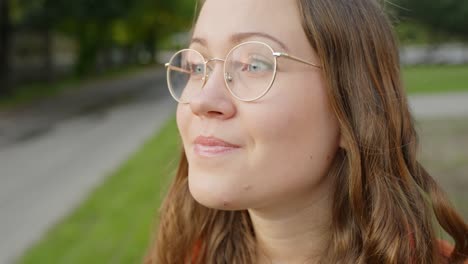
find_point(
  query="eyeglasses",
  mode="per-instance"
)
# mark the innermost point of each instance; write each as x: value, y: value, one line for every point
x: 249, y: 71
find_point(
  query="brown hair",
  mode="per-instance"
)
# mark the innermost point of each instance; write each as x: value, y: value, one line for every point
x: 384, y: 200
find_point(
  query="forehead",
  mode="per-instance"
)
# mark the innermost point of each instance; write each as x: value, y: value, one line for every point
x: 219, y: 20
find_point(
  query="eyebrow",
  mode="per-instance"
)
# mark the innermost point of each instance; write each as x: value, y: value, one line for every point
x: 239, y: 37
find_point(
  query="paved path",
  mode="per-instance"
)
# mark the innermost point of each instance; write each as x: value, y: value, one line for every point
x: 33, y: 120
x: 53, y: 153
x: 440, y: 105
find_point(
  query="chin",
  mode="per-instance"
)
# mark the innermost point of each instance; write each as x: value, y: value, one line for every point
x: 216, y: 199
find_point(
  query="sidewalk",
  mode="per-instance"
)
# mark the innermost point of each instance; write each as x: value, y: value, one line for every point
x: 440, y: 105
x: 35, y: 119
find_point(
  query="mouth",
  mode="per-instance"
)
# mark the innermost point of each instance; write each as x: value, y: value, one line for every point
x: 211, y: 146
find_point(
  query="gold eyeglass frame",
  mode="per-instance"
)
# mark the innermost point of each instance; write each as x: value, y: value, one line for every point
x: 227, y: 78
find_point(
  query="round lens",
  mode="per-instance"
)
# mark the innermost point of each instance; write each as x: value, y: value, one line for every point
x: 250, y: 70
x: 185, y: 74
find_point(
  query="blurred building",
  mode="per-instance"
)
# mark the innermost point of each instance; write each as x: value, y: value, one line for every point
x: 447, y: 53
x: 33, y: 58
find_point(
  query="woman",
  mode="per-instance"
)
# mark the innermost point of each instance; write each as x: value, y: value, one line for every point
x: 298, y: 146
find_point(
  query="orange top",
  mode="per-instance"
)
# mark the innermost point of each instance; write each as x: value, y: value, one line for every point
x: 445, y: 249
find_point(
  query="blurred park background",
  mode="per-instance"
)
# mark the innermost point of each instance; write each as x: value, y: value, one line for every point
x: 88, y: 140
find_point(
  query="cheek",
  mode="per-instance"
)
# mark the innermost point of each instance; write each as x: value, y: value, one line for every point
x: 299, y: 118
x: 183, y: 125
x: 183, y: 119
x: 295, y: 141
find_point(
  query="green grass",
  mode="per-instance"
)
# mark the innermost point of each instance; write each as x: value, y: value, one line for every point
x: 115, y: 223
x: 435, y: 79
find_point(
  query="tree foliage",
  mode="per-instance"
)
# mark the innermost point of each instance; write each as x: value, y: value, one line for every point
x: 98, y: 27
x: 5, y: 46
x: 449, y: 17
x: 101, y: 26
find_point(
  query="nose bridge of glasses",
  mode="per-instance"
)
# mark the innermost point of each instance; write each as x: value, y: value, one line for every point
x: 209, y: 69
x: 214, y: 59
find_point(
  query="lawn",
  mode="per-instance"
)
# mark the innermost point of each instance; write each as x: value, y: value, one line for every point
x: 444, y: 144
x: 114, y: 224
x: 435, y: 79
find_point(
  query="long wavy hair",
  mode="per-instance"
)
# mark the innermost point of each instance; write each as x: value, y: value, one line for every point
x: 387, y: 207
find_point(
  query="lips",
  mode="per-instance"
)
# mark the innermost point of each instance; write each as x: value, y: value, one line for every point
x: 211, y: 146
x: 214, y: 142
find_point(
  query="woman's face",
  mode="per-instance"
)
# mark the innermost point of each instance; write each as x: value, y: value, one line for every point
x: 287, y: 139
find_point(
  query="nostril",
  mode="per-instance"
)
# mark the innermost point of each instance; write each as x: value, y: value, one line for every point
x: 215, y: 113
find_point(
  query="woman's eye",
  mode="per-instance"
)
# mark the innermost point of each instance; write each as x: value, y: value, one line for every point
x: 257, y: 65
x: 196, y: 68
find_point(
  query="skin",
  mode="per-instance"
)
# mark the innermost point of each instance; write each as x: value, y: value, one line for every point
x: 288, y: 138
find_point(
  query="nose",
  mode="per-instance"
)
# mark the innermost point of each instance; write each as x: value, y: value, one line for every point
x: 214, y: 101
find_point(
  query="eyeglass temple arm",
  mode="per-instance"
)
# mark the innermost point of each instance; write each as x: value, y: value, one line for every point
x: 176, y: 68
x: 282, y: 54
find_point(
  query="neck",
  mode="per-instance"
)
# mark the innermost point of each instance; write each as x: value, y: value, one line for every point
x: 297, y: 232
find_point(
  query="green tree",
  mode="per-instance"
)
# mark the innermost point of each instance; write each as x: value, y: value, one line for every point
x: 92, y: 25
x: 41, y: 16
x: 448, y: 17
x: 150, y: 21
x: 96, y: 26
x: 5, y: 47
